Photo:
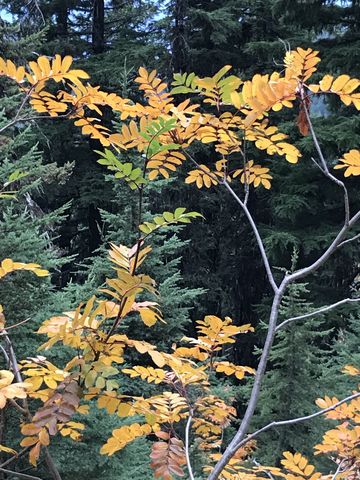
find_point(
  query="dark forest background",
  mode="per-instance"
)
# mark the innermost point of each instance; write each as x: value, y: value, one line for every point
x: 69, y: 209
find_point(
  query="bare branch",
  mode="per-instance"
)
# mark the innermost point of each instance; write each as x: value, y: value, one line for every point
x: 325, y: 168
x: 15, y: 457
x: 18, y: 474
x: 6, y: 356
x: 338, y: 471
x: 328, y: 252
x: 187, y: 446
x: 260, y: 372
x: 17, y: 406
x: 17, y: 324
x: 31, y: 118
x: 291, y: 421
x: 317, y: 312
x: 257, y: 235
x: 349, y: 240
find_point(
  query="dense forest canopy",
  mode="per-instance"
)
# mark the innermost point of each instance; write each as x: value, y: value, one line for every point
x: 179, y: 178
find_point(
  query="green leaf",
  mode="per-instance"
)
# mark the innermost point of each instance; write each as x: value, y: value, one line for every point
x: 221, y: 72
x: 133, y: 176
x: 167, y: 218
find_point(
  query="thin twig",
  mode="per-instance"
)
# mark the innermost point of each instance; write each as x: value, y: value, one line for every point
x: 338, y: 470
x: 31, y: 118
x: 17, y: 406
x: 324, y: 164
x: 303, y: 272
x: 269, y: 474
x: 6, y: 356
x: 294, y: 421
x: 349, y: 240
x: 15, y: 457
x: 17, y: 324
x: 257, y: 236
x: 20, y: 475
x: 317, y: 312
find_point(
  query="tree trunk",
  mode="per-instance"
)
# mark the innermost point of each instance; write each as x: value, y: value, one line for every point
x: 179, y: 50
x: 62, y: 18
x: 98, y: 26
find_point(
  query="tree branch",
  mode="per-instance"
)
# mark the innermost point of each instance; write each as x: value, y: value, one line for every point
x: 15, y: 457
x: 328, y: 252
x: 325, y: 168
x: 249, y: 217
x: 14, y: 365
x: 293, y: 421
x: 349, y: 240
x: 317, y: 312
x: 338, y: 471
x: 18, y: 474
x: 187, y: 446
x: 260, y: 372
x: 30, y: 118
x: 257, y: 236
x: 238, y: 439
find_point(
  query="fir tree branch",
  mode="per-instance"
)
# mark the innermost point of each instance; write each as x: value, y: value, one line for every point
x: 317, y: 312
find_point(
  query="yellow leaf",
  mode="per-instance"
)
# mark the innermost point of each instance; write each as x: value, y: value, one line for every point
x: 157, y: 358
x: 340, y: 83
x: 124, y: 409
x: 66, y: 64
x: 8, y: 450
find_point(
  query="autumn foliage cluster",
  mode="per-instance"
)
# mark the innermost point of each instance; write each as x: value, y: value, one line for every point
x: 224, y: 112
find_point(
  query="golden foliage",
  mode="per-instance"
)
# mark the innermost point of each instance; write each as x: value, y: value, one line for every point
x: 230, y: 113
x: 254, y: 174
x: 203, y: 176
x: 161, y: 130
x: 351, y: 163
x: 7, y: 266
x: 343, y: 86
x: 230, y: 369
x: 9, y: 390
x: 124, y: 435
x: 301, y: 64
